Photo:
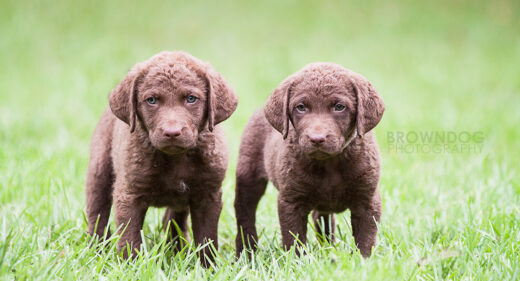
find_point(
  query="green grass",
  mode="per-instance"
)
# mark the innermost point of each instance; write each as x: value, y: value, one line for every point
x: 440, y: 66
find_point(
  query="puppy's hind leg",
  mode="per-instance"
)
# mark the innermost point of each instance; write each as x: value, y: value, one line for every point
x: 173, y: 220
x: 251, y: 180
x: 100, y: 178
x: 248, y: 192
x: 99, y: 201
x: 325, y: 225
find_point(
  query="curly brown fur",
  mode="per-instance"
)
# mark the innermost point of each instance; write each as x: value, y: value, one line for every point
x: 305, y: 143
x: 158, y: 145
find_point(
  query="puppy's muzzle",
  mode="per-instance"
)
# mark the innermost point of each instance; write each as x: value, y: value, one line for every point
x: 174, y: 138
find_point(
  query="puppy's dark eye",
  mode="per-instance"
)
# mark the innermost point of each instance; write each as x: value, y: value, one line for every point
x: 151, y: 100
x: 191, y: 99
x: 339, y: 107
x: 300, y: 108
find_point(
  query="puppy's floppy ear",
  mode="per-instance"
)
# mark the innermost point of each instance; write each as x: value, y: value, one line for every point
x: 123, y: 99
x: 370, y: 105
x: 221, y: 98
x: 276, y: 109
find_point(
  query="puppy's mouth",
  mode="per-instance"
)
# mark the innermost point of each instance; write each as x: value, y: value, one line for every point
x: 172, y: 149
x: 320, y: 155
x: 321, y: 151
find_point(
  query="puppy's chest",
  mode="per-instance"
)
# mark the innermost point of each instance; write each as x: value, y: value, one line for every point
x: 176, y: 177
x: 330, y: 185
x: 170, y: 185
x: 332, y: 191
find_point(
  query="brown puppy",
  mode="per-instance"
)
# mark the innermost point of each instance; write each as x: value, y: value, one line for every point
x: 159, y: 146
x: 305, y: 143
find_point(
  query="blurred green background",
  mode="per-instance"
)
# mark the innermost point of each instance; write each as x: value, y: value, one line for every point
x: 439, y: 65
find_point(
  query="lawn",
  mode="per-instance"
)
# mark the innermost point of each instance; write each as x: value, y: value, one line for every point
x: 447, y: 68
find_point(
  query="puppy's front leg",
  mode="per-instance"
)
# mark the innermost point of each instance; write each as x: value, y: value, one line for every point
x: 130, y: 214
x: 205, y: 212
x: 364, y: 225
x: 293, y: 221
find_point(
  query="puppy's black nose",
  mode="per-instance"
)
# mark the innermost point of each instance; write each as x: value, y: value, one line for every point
x: 172, y: 132
x: 317, y: 139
